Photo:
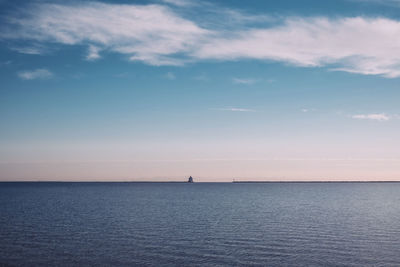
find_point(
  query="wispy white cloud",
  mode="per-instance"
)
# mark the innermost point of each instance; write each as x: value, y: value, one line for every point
x: 5, y: 63
x: 93, y: 53
x: 358, y: 45
x: 235, y: 109
x: 30, y: 50
x: 201, y: 77
x: 148, y: 33
x: 35, y: 74
x: 122, y: 75
x: 157, y: 34
x: 372, y: 116
x: 244, y: 81
x: 170, y: 76
x: 305, y: 110
x: 78, y: 75
x: 180, y: 3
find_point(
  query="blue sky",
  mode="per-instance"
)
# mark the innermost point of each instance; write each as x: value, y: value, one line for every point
x: 159, y: 90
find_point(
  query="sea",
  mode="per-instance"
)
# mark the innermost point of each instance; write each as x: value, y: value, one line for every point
x: 199, y: 224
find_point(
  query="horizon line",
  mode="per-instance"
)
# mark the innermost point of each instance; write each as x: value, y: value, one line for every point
x: 236, y: 182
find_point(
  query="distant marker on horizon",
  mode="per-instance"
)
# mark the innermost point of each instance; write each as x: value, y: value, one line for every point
x: 190, y: 179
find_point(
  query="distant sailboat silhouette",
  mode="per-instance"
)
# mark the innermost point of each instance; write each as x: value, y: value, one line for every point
x: 190, y: 179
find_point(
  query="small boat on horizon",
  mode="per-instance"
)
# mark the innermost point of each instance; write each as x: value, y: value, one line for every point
x: 190, y: 179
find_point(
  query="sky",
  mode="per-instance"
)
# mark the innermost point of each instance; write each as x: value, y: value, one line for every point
x: 220, y: 90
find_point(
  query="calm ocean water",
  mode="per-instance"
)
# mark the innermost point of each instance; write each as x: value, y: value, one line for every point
x: 209, y: 224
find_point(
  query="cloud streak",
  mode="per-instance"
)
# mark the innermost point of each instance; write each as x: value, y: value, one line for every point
x: 153, y: 34
x: 170, y: 76
x: 236, y: 109
x: 35, y: 74
x: 357, y: 45
x: 93, y: 53
x: 180, y: 3
x: 29, y: 50
x: 243, y: 81
x: 373, y: 116
x: 157, y: 34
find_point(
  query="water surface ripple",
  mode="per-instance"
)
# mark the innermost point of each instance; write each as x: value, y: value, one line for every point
x: 200, y: 224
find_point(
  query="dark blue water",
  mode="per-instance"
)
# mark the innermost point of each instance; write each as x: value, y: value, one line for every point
x: 125, y: 224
